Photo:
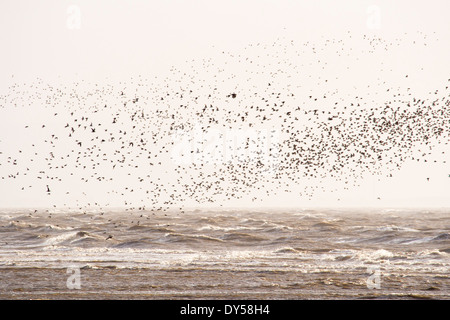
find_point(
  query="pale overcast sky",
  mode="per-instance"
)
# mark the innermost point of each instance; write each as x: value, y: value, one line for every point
x: 101, y: 41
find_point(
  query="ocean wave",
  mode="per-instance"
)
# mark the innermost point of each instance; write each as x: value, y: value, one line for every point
x: 67, y: 237
x: 374, y: 255
x: 286, y: 250
x: 431, y: 253
x: 239, y: 236
x: 325, y: 225
x: 133, y: 244
x: 150, y: 229
x: 443, y: 237
x: 380, y: 239
x: 226, y: 229
x: 14, y: 226
x: 396, y: 228
x: 179, y: 237
x: 387, y: 228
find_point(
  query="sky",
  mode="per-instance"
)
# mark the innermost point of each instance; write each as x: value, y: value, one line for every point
x: 116, y: 38
x: 112, y: 41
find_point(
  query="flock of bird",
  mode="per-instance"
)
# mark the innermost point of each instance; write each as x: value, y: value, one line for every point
x: 298, y: 123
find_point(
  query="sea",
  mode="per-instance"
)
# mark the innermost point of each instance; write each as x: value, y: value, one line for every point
x: 268, y: 254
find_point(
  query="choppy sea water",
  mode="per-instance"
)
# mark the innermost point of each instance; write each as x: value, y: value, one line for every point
x: 228, y: 254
